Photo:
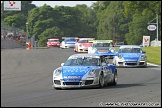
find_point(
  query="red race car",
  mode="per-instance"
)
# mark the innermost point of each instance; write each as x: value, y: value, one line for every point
x: 83, y: 44
x: 53, y: 43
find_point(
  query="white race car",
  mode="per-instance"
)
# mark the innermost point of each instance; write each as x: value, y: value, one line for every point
x: 83, y: 44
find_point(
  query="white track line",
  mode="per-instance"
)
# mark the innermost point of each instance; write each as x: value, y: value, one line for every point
x: 152, y: 64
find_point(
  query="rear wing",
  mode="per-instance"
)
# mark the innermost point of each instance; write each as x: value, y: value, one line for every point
x: 86, y: 38
x: 93, y: 41
x: 90, y: 41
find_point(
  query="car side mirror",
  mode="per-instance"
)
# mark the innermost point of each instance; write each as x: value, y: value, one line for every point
x: 62, y: 64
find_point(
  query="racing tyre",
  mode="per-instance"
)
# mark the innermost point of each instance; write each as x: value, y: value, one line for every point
x: 74, y: 50
x: 101, y: 80
x: 113, y: 62
x: 145, y: 66
x: 115, y: 79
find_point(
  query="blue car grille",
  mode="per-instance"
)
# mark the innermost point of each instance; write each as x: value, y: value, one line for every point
x: 72, y: 83
x: 142, y: 63
x: 131, y: 63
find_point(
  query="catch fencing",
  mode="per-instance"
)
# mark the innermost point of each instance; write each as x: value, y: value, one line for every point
x: 10, y: 37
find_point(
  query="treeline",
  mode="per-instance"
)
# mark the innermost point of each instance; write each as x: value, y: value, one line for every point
x: 118, y: 20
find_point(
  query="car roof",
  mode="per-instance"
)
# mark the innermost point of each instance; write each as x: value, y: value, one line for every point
x: 129, y: 46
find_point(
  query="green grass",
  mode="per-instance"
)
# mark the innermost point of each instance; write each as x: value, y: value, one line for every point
x: 153, y: 54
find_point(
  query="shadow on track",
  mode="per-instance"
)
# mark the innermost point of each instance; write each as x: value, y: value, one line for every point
x: 105, y: 87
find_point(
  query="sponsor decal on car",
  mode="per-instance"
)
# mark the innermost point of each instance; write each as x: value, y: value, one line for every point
x: 72, y: 77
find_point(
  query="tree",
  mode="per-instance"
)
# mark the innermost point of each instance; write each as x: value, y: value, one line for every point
x: 69, y: 20
x: 88, y: 19
x: 141, y: 13
x: 15, y: 21
x: 112, y: 22
x: 53, y: 32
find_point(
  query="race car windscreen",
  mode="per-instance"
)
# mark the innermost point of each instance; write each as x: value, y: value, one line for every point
x: 68, y: 39
x: 82, y: 61
x: 130, y: 50
x: 102, y: 45
x: 83, y: 41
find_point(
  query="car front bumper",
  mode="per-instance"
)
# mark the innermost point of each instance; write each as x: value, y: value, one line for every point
x: 54, y: 45
x: 89, y: 82
x: 82, y: 49
x: 68, y: 46
x: 131, y: 64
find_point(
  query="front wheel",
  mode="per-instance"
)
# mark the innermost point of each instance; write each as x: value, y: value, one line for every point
x: 74, y: 49
x: 101, y: 80
x: 114, y: 62
x: 115, y: 79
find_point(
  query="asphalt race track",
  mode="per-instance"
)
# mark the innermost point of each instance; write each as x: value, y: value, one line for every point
x: 26, y: 81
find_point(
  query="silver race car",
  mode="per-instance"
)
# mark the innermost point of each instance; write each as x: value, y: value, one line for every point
x: 130, y: 56
x: 84, y: 70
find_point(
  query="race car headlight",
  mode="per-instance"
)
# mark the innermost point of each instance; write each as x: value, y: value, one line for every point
x: 91, y: 72
x: 112, y: 50
x: 119, y: 56
x: 143, y: 57
x: 57, y: 72
x: 80, y: 45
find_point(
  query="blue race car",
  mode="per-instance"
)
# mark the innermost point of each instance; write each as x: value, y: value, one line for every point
x: 104, y: 47
x: 84, y: 70
x: 130, y: 56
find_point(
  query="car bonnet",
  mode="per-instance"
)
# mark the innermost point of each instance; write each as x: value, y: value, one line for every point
x: 131, y: 55
x: 75, y: 72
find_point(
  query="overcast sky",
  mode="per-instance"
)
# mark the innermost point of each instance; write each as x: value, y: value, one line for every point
x: 62, y: 3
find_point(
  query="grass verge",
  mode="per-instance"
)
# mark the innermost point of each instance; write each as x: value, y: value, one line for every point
x: 153, y: 54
